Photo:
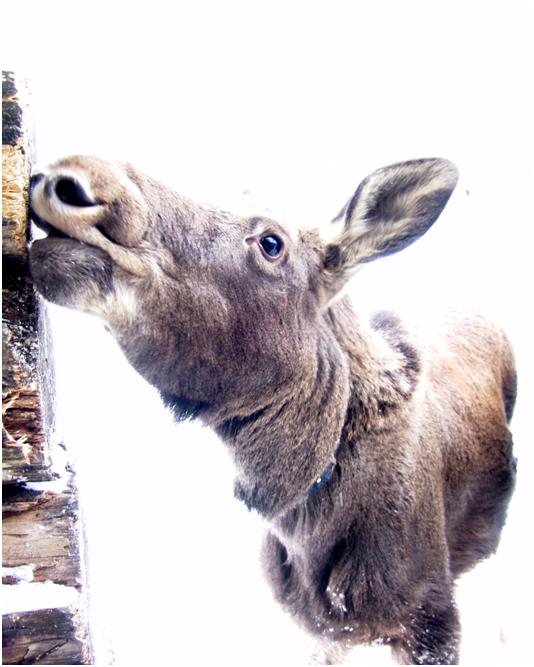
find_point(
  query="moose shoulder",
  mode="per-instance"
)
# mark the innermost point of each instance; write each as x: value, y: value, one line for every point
x: 378, y: 450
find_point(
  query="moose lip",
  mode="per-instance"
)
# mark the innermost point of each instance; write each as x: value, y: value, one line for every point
x: 55, y: 238
x: 54, y: 232
x: 46, y: 226
x: 57, y: 241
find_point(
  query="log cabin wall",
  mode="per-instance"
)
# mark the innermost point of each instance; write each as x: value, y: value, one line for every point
x: 44, y: 615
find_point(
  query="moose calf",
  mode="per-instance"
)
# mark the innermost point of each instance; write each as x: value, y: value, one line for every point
x: 378, y: 451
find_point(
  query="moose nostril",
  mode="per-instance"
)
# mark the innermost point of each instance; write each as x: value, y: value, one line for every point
x: 72, y: 192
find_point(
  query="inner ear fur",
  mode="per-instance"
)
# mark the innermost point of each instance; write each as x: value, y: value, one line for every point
x: 391, y: 209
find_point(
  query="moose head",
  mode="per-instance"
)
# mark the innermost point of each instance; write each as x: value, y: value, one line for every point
x: 227, y: 314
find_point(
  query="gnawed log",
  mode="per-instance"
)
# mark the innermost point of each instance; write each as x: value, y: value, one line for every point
x: 17, y: 155
x: 27, y: 371
x: 42, y: 541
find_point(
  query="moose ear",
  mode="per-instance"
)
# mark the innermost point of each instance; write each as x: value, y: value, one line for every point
x: 390, y: 210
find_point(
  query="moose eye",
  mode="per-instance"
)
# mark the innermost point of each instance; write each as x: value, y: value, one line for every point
x: 272, y: 245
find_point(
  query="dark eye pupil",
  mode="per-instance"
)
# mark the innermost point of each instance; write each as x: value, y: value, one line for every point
x: 272, y: 245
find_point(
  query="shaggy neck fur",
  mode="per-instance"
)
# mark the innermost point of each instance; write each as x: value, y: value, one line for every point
x: 320, y: 555
x: 292, y: 439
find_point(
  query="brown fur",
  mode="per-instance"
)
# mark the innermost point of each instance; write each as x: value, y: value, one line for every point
x: 411, y: 419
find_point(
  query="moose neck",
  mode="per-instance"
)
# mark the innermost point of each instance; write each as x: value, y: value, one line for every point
x: 283, y: 449
x: 284, y: 446
x: 286, y: 440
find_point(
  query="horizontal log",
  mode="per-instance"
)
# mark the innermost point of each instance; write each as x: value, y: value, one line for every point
x: 45, y: 637
x: 17, y: 498
x: 20, y: 326
x: 46, y: 535
x: 25, y: 448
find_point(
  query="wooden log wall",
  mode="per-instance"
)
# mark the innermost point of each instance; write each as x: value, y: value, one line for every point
x: 44, y: 616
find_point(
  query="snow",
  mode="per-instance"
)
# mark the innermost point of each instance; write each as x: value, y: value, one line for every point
x: 21, y: 573
x: 26, y: 596
x: 54, y: 486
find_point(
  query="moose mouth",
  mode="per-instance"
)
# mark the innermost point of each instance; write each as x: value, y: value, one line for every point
x: 80, y: 215
x: 46, y: 227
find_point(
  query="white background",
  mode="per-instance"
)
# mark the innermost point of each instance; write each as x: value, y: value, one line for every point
x: 296, y: 102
